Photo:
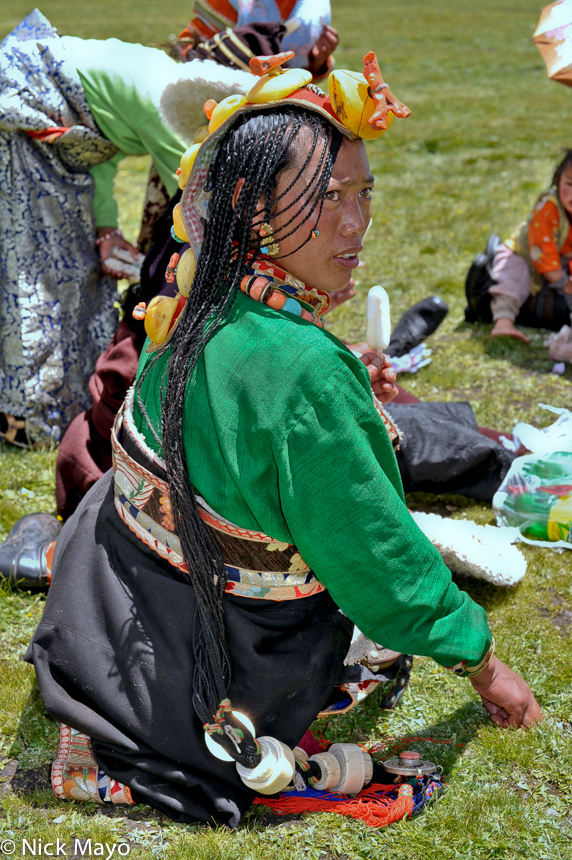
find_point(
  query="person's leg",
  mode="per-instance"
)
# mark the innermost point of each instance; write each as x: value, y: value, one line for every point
x: 509, y: 293
x: 85, y: 452
x: 84, y: 456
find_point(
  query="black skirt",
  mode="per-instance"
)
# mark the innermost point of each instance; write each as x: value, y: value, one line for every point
x: 113, y: 658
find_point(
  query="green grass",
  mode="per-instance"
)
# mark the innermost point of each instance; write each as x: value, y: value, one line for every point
x: 486, y: 131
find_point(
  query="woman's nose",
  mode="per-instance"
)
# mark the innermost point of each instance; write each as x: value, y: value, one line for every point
x: 354, y: 222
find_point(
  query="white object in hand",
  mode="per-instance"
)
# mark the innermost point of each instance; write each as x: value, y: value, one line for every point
x: 378, y: 319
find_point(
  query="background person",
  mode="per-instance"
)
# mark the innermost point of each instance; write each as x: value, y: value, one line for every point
x: 539, y: 253
x: 309, y: 32
x: 71, y: 109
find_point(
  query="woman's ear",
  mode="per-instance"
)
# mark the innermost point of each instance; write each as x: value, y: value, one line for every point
x: 236, y: 193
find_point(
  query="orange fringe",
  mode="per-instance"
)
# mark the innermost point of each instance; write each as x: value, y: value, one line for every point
x: 369, y: 806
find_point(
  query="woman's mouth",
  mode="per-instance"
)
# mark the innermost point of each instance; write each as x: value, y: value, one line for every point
x: 347, y: 261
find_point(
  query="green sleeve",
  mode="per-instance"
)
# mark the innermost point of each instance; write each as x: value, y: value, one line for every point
x: 104, y: 205
x: 343, y: 503
x: 164, y: 147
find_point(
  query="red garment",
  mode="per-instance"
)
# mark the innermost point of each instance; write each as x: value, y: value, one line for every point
x: 212, y: 16
x: 85, y: 450
x: 542, y: 238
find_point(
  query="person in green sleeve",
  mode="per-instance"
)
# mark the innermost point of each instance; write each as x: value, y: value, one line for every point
x: 123, y: 83
x: 204, y: 594
x: 70, y: 110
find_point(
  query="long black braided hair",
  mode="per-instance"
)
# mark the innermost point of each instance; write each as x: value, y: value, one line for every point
x: 258, y: 148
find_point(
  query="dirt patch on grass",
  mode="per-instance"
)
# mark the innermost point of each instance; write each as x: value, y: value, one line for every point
x: 30, y: 781
x: 559, y: 613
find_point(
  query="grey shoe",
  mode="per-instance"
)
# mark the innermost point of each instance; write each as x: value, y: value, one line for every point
x: 23, y: 560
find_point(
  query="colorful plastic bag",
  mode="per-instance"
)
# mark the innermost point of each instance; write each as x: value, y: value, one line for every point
x: 536, y: 497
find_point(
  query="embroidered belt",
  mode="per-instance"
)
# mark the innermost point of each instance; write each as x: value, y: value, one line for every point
x: 388, y: 423
x: 257, y: 565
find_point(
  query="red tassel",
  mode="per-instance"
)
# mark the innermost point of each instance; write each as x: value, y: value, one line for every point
x: 372, y: 805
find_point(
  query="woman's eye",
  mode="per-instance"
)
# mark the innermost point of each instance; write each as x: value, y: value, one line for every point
x: 366, y: 192
x: 331, y: 195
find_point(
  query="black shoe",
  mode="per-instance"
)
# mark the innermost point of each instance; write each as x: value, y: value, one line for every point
x: 416, y: 324
x: 23, y: 555
x: 479, y: 281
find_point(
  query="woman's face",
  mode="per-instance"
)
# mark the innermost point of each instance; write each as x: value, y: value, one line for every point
x: 327, y: 260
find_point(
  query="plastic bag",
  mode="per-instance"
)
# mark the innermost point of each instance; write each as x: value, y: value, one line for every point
x: 556, y: 437
x: 536, y: 497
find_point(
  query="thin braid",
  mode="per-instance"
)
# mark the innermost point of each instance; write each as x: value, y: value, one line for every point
x: 257, y: 149
x: 313, y: 195
x: 318, y: 203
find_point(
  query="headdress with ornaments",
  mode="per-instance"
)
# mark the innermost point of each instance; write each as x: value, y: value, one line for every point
x: 359, y: 106
x: 254, y: 137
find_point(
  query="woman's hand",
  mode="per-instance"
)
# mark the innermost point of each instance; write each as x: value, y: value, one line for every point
x: 326, y: 44
x: 382, y: 376
x: 506, y: 696
x: 341, y: 296
x: 106, y: 247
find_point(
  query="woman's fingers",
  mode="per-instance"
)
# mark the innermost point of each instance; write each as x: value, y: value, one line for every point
x: 326, y: 44
x: 506, y: 696
x: 382, y: 376
x: 340, y: 296
x: 106, y: 251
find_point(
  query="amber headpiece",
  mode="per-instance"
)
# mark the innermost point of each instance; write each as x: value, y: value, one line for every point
x: 360, y: 106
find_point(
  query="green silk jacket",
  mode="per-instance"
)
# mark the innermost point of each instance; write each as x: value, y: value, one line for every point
x: 281, y: 435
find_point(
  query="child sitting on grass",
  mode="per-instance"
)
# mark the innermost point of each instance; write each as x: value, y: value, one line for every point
x: 540, y: 251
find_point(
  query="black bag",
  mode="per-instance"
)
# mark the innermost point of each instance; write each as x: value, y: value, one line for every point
x: 442, y: 451
x: 546, y: 309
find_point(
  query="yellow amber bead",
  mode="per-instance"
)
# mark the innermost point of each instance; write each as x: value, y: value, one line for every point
x: 158, y: 318
x: 353, y: 105
x: 201, y: 134
x: 224, y: 109
x: 270, y: 88
x: 186, y: 269
x: 187, y: 162
x: 178, y: 225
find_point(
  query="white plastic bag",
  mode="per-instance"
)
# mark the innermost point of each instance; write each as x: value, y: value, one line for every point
x: 556, y: 437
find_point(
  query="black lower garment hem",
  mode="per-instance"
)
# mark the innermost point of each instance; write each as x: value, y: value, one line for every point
x: 113, y: 657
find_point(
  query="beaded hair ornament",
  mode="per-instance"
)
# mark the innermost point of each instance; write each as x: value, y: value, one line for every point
x: 360, y: 106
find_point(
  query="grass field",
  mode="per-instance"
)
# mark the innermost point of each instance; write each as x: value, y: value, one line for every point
x: 486, y: 131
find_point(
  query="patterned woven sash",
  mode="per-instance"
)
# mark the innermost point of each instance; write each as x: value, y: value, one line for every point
x: 257, y: 565
x: 77, y: 776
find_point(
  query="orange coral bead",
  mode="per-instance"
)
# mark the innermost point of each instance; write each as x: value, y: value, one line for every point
x: 276, y: 300
x: 208, y: 107
x: 139, y: 312
x: 256, y: 291
x: 306, y: 315
x: 258, y: 288
x: 171, y: 269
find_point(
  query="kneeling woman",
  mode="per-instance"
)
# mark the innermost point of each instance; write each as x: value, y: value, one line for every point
x: 255, y: 512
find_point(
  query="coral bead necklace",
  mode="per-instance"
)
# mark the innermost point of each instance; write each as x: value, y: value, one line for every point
x: 268, y: 284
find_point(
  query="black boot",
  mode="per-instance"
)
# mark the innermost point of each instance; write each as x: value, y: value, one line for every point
x: 416, y: 324
x: 23, y: 559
